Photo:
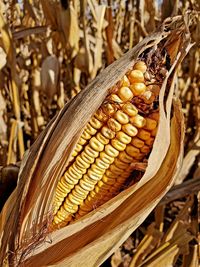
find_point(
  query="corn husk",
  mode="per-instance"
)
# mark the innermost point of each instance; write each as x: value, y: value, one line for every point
x: 25, y: 222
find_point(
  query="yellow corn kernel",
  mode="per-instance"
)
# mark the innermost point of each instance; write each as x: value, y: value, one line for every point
x: 140, y: 65
x: 136, y: 76
x: 107, y: 132
x: 87, y: 158
x: 138, y: 121
x: 101, y: 164
x: 111, y: 151
x: 90, y: 130
x: 118, y: 145
x: 86, y: 135
x: 138, y: 88
x: 91, y: 152
x: 94, y: 175
x: 130, y: 129
x: 95, y: 123
x: 121, y: 117
x: 124, y: 138
x: 106, y: 158
x: 82, y: 141
x: 130, y: 109
x: 96, y: 144
x: 81, y: 163
x: 102, y: 138
x: 125, y: 93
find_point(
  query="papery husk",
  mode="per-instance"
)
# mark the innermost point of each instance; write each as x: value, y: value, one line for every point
x: 25, y: 220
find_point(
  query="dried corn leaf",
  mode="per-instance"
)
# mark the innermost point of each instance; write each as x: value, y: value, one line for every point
x: 26, y: 217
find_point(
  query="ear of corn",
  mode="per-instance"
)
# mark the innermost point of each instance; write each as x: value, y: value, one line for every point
x: 116, y: 136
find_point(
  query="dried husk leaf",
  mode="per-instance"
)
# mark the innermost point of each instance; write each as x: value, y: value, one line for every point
x: 25, y: 219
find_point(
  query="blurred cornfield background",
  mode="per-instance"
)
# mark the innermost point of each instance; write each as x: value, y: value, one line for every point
x: 49, y: 51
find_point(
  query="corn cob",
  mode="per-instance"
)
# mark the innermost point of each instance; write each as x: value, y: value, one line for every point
x: 119, y: 134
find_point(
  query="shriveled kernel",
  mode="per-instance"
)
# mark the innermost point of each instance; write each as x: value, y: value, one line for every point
x: 137, y: 142
x: 138, y: 121
x: 95, y: 123
x: 96, y: 144
x: 118, y: 145
x: 140, y: 65
x: 114, y: 125
x: 143, y: 134
x: 102, y: 139
x: 125, y: 93
x: 121, y: 117
x: 108, y: 109
x: 130, y: 129
x: 124, y: 138
x: 130, y: 109
x: 138, y: 88
x: 136, y: 76
x: 150, y: 124
x: 111, y: 151
x: 115, y: 98
x: 132, y: 151
x: 101, y: 116
x: 107, y: 132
